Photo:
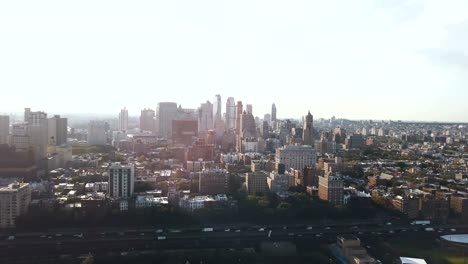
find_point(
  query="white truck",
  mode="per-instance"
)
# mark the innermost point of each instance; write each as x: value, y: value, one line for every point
x: 421, y: 222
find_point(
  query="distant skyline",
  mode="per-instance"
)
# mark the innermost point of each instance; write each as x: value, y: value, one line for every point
x: 365, y: 59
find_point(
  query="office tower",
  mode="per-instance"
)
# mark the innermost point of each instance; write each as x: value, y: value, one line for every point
x: 247, y: 137
x: 147, y: 120
x: 4, y: 129
x: 230, y: 113
x: 27, y: 112
x: 14, y: 201
x: 295, y: 156
x: 38, y: 133
x: 166, y: 112
x: 20, y: 137
x: 273, y: 113
x: 217, y: 108
x: 249, y: 108
x: 331, y: 189
x: 97, y: 133
x: 354, y: 141
x: 267, y: 118
x: 213, y: 181
x: 308, y: 130
x: 123, y: 120
x: 121, y: 180
x: 57, y: 129
x: 239, y: 110
x: 205, y: 117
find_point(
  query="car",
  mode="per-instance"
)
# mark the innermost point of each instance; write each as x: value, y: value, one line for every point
x: 327, y: 228
x: 237, y: 231
x: 142, y: 234
x: 290, y: 234
x: 388, y: 223
x: 161, y: 238
x: 354, y: 227
x: 227, y: 230
x: 360, y: 233
x: 453, y: 230
x: 78, y: 235
x: 58, y: 235
x: 11, y: 238
x: 175, y: 231
x: 391, y: 232
x: 159, y: 231
x: 309, y: 228
x: 261, y: 229
x: 121, y: 234
x: 318, y: 235
x: 43, y: 236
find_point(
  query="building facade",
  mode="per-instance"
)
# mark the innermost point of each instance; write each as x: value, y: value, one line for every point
x: 4, y: 129
x: 296, y: 156
x: 14, y: 201
x: 97, y: 133
x: 123, y: 120
x: 147, y: 120
x: 121, y: 180
x: 331, y: 189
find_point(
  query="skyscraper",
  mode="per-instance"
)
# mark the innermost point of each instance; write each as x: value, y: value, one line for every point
x: 38, y: 132
x: 205, y: 117
x: 166, y: 112
x: 230, y: 113
x: 307, y: 134
x: 249, y: 108
x: 217, y: 108
x: 20, y: 137
x: 57, y: 129
x: 331, y: 189
x: 121, y: 180
x: 273, y: 113
x: 239, y: 110
x: 147, y: 120
x: 97, y: 133
x: 123, y: 120
x: 4, y: 129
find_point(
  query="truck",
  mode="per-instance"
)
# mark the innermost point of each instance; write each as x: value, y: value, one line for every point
x: 207, y: 229
x: 421, y: 222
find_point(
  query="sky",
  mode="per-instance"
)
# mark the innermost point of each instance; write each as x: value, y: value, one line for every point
x: 363, y: 59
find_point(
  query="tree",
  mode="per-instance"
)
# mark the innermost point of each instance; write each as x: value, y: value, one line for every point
x: 88, y: 260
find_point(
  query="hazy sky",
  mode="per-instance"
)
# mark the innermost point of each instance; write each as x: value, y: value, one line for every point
x: 379, y: 59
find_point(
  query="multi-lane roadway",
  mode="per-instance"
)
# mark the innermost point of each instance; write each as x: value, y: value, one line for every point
x: 107, y: 240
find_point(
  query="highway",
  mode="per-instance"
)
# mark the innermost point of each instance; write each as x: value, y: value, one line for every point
x: 127, y: 240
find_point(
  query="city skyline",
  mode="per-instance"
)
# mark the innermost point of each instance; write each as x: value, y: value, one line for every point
x: 367, y: 60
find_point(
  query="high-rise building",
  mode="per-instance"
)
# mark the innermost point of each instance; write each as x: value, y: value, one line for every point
x: 57, y: 129
x: 273, y: 113
x: 166, y: 112
x: 331, y: 189
x: 147, y: 120
x: 200, y: 150
x: 123, y: 120
x: 248, y: 133
x: 308, y: 130
x: 97, y: 133
x: 295, y: 156
x: 20, y: 137
x: 217, y: 108
x: 4, y: 129
x: 14, y: 201
x: 230, y: 113
x: 38, y: 133
x: 239, y: 110
x: 121, y: 180
x: 205, y: 117
x: 256, y: 182
x: 249, y: 108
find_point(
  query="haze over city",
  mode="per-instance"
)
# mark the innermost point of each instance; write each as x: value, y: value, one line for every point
x: 359, y: 60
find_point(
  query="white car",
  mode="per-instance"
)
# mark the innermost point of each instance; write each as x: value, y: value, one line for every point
x: 237, y: 231
x: 227, y: 230
x: 161, y: 238
x: 159, y: 231
x: 309, y: 228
